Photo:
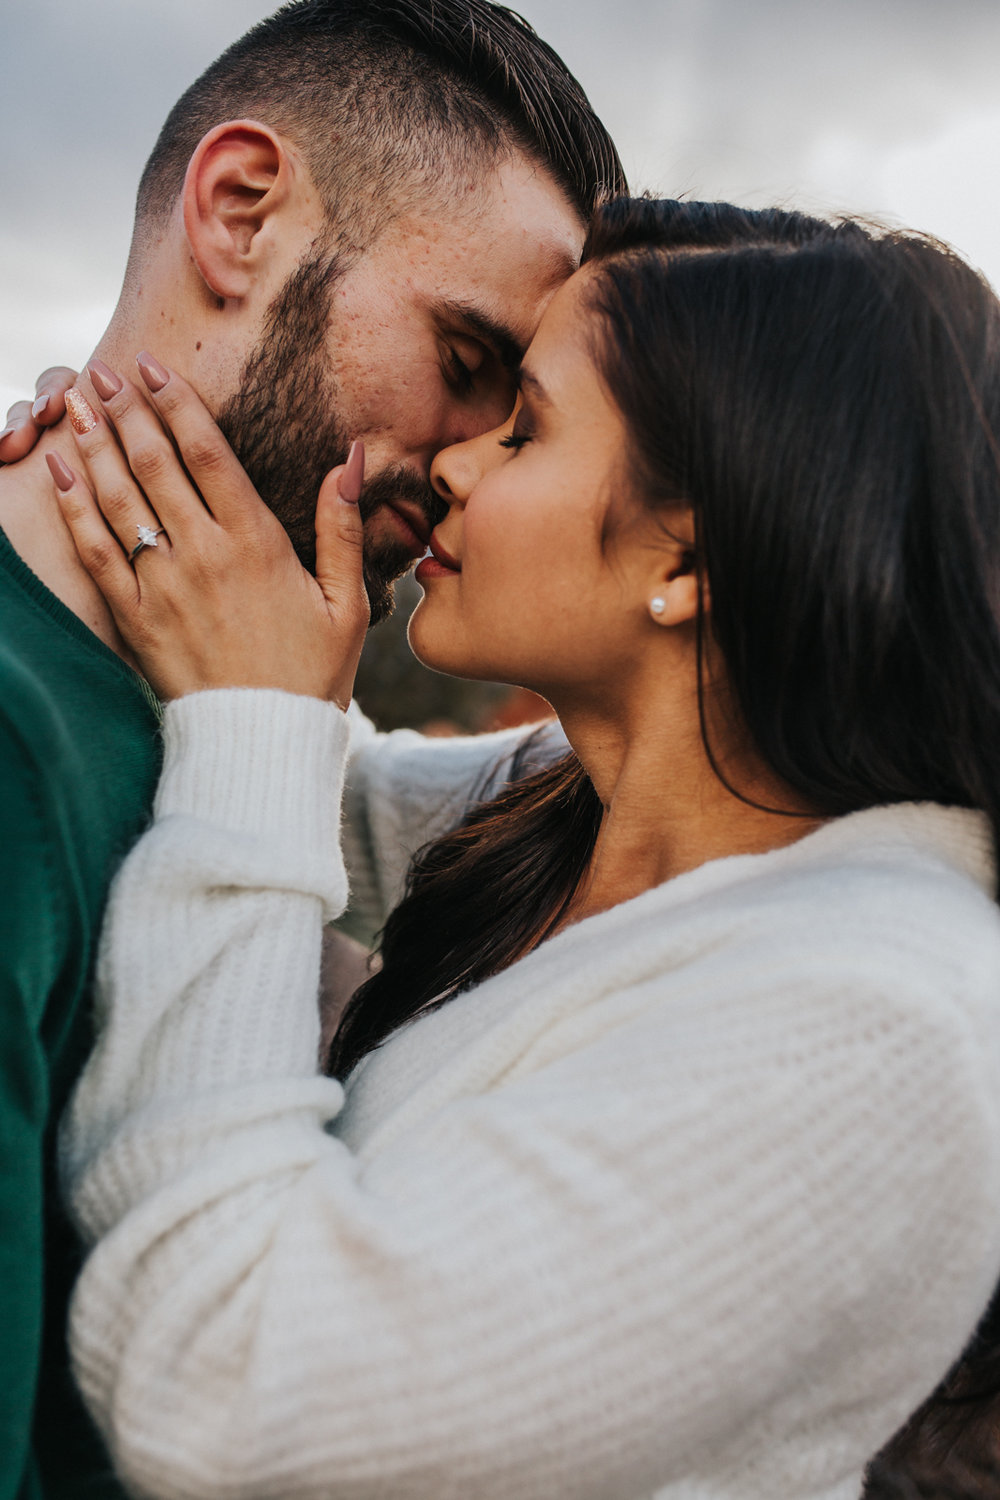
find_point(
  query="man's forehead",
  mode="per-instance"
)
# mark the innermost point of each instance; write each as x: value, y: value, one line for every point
x: 514, y: 225
x: 530, y: 225
x: 502, y: 304
x: 484, y: 258
x: 500, y: 299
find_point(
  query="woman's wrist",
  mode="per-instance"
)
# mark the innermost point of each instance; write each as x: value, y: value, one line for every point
x: 256, y: 761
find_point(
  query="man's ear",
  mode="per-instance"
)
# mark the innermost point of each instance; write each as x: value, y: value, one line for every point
x: 239, y: 177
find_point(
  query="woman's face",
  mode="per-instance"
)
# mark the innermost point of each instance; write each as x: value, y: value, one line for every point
x: 541, y: 594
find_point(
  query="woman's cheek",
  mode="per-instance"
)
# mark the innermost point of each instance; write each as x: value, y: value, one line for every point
x: 494, y: 534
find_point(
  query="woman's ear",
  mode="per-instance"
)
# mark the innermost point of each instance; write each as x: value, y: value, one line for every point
x: 239, y: 177
x: 676, y: 585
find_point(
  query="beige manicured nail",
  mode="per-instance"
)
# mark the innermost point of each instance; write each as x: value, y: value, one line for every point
x: 353, y: 475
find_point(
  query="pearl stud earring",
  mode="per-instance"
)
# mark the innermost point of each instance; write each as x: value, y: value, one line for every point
x: 657, y: 605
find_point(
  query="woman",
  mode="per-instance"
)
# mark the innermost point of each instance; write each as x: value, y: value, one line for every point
x: 667, y: 1149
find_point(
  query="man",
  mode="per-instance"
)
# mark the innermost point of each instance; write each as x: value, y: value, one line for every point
x: 348, y: 228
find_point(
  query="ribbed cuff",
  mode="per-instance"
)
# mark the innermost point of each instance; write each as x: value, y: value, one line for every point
x: 257, y: 761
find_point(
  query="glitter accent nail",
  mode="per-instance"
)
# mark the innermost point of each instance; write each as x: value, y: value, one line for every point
x: 81, y: 414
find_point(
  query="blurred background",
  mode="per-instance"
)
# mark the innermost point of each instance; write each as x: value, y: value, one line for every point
x: 888, y: 107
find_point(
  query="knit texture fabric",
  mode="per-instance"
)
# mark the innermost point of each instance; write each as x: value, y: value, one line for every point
x: 697, y: 1200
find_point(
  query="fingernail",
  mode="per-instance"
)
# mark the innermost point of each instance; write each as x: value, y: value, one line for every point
x: 38, y: 408
x: 61, y: 472
x: 354, y: 473
x: 81, y: 413
x: 105, y: 381
x: 7, y: 431
x: 152, y: 371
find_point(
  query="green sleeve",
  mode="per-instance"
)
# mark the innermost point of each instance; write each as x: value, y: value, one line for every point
x: 33, y: 908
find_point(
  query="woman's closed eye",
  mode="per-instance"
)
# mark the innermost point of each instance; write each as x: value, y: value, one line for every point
x: 515, y: 440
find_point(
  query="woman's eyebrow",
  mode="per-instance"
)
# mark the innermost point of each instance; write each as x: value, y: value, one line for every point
x: 528, y: 382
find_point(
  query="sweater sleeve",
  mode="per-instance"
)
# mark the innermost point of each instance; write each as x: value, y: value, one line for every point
x: 405, y: 788
x: 581, y: 1281
x: 31, y: 952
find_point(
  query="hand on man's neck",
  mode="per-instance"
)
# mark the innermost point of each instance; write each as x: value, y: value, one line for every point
x: 30, y: 516
x: 33, y: 524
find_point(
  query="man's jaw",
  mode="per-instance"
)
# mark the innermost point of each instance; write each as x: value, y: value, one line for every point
x: 384, y: 560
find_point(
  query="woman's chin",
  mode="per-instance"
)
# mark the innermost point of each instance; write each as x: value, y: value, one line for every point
x: 434, y: 648
x: 439, y: 651
x: 452, y: 664
x: 442, y: 640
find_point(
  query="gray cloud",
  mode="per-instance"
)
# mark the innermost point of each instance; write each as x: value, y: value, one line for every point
x: 718, y: 95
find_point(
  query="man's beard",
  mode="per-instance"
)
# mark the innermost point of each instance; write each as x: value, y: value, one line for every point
x: 282, y: 424
x: 385, y: 561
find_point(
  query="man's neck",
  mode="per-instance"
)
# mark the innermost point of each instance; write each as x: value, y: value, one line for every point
x: 170, y: 311
x: 29, y: 510
x: 32, y: 521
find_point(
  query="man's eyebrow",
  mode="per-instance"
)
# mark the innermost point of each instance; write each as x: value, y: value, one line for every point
x: 502, y: 339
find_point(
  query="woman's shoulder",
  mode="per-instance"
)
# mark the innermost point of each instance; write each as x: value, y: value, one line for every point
x: 915, y: 881
x: 917, y: 870
x: 880, y: 926
x: 885, y: 913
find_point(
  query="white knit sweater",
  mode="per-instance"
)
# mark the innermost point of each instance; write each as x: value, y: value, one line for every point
x: 698, y: 1200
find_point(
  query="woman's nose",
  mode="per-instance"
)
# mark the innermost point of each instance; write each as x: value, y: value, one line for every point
x: 456, y: 471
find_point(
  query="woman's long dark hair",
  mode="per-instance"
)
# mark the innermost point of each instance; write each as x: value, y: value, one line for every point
x: 826, y: 397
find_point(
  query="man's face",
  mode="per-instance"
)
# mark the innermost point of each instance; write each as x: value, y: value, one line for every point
x: 413, y: 349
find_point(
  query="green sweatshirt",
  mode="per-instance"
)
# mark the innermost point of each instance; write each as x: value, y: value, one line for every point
x: 79, y: 756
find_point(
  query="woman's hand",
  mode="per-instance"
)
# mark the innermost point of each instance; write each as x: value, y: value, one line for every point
x: 216, y: 597
x: 26, y: 420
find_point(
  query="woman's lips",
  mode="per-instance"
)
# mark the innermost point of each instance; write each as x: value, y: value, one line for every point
x: 440, y: 551
x: 438, y: 563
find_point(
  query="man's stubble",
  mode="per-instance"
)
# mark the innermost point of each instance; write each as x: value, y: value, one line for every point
x: 283, y: 425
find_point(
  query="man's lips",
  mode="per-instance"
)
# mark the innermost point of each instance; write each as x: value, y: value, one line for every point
x: 415, y: 521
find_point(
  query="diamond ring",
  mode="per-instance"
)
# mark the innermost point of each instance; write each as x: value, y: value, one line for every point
x: 147, y: 538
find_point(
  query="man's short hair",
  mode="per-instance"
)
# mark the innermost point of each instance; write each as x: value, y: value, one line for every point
x: 381, y: 95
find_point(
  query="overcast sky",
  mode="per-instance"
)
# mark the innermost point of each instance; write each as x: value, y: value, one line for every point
x: 882, y: 106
